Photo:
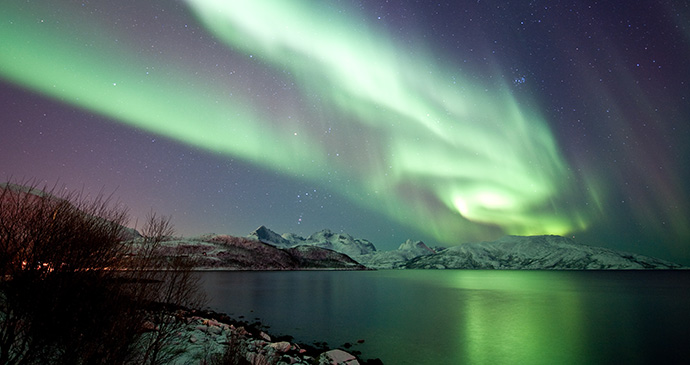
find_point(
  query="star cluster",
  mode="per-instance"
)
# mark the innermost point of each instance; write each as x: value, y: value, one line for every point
x: 389, y: 120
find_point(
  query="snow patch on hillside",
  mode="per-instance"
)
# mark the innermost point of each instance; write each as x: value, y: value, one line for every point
x: 536, y: 253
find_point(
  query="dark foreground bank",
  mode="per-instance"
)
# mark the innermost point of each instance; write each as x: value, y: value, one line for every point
x: 214, y: 338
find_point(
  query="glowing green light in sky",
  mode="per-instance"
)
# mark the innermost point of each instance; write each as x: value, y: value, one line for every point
x: 478, y: 154
x: 111, y: 81
x: 452, y: 158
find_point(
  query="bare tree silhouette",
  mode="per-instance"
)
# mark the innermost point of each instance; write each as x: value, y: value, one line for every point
x: 72, y: 290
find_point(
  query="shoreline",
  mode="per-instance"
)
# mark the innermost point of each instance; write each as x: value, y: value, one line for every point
x: 211, y: 337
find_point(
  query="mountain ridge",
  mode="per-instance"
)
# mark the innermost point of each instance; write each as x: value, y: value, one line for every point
x: 340, y: 242
x: 264, y: 249
x: 545, y: 252
x: 224, y: 252
x: 540, y: 252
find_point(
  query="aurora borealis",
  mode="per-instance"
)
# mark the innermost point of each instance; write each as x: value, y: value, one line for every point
x: 441, y: 122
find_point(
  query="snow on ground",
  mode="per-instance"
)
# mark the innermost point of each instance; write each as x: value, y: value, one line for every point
x: 209, y: 341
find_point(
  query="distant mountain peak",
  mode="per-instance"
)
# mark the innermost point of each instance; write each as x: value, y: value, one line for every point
x: 265, y: 235
x: 417, y: 247
x: 341, y: 242
x: 263, y: 230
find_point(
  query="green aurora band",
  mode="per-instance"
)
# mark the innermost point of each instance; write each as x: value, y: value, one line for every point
x: 411, y: 138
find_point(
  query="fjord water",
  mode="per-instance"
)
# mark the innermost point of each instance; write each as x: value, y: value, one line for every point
x: 471, y: 316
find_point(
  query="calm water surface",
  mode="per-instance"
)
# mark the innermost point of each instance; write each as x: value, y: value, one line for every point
x: 471, y: 317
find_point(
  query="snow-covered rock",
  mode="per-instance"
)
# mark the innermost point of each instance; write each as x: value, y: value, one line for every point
x: 282, y: 346
x: 536, y: 253
x: 204, y: 341
x: 337, y: 357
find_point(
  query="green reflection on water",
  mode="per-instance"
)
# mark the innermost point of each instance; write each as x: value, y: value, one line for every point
x: 515, y: 317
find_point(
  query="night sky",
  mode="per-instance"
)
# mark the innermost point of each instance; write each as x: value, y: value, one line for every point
x: 445, y: 122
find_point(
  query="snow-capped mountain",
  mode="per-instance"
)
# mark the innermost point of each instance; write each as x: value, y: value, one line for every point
x: 265, y: 235
x: 397, y: 258
x: 223, y: 252
x: 264, y: 249
x: 416, y: 247
x: 339, y: 242
x: 535, y: 253
x: 360, y: 250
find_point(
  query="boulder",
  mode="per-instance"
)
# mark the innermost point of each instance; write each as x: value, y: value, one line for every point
x: 265, y: 336
x: 337, y: 357
x: 215, y: 330
x: 258, y: 359
x: 282, y: 346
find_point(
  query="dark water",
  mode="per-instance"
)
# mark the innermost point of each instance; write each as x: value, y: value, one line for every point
x: 472, y: 317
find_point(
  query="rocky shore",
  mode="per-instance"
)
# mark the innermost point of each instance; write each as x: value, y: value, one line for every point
x: 214, y: 338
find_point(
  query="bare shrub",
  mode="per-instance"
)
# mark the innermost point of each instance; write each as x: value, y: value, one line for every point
x: 59, y: 297
x: 72, y: 292
x: 164, y: 285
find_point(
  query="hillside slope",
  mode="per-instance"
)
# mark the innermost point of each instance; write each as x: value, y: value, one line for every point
x: 536, y: 253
